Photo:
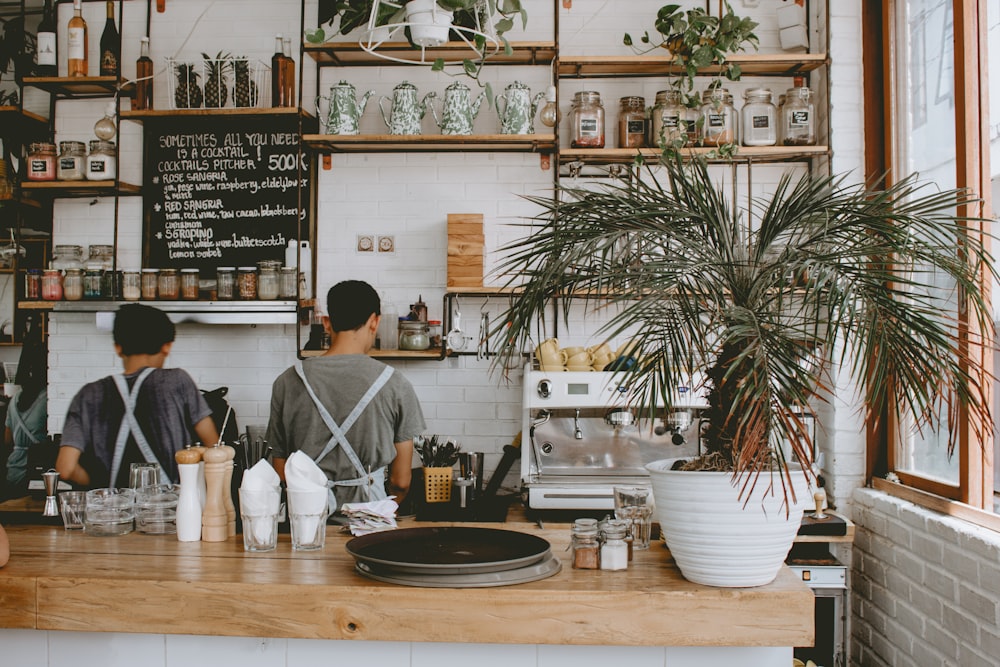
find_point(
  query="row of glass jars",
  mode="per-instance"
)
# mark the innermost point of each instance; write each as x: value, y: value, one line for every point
x: 73, y: 162
x: 715, y: 123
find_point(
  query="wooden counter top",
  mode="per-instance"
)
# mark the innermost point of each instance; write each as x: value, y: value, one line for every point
x: 62, y: 580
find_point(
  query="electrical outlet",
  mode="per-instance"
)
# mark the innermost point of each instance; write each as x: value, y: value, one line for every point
x: 366, y: 243
x: 386, y: 243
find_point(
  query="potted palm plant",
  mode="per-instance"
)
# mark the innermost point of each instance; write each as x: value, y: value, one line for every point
x: 759, y: 299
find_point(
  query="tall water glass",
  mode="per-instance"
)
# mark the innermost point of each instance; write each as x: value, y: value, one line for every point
x: 634, y: 504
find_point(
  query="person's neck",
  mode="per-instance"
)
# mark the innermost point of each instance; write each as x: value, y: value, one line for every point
x: 134, y: 363
x: 349, y: 342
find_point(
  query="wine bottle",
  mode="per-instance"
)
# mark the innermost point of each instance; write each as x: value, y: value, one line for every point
x: 76, y: 43
x: 143, y: 78
x: 46, y: 61
x: 286, y: 49
x: 278, y: 73
x: 111, y: 44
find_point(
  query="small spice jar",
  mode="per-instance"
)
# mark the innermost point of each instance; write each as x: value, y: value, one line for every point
x: 614, y: 550
x: 168, y: 286
x: 93, y: 282
x: 288, y: 283
x: 718, y: 117
x: 33, y: 284
x: 434, y: 333
x: 73, y: 284
x: 150, y: 283
x: 632, y: 122
x: 413, y: 335
x: 225, y: 283
x: 587, y: 120
x: 41, y: 162
x: 798, y: 126
x: 131, y: 286
x: 666, y: 122
x: 246, y: 281
x: 72, y: 156
x: 759, y: 118
x: 101, y: 163
x: 267, y: 283
x: 52, y: 289
x: 583, y: 542
x: 190, y: 280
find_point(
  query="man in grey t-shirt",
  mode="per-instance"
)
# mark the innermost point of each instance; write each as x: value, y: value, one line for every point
x: 351, y: 414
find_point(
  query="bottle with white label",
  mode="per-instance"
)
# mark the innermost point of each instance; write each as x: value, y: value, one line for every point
x: 46, y: 61
x: 798, y: 116
x: 76, y: 43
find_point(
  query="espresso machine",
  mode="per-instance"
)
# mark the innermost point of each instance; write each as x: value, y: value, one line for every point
x: 583, y: 437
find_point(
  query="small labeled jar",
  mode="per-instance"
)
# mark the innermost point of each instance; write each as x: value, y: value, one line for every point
x: 718, y: 117
x: 72, y: 158
x: 101, y: 163
x: 667, y: 126
x: 150, y: 284
x: 632, y: 122
x: 288, y: 283
x: 168, y: 286
x: 413, y: 335
x: 131, y: 286
x: 190, y: 280
x: 759, y: 118
x: 246, y: 282
x: 798, y: 117
x: 267, y: 283
x: 33, y: 284
x: 93, y: 282
x: 587, y: 120
x: 614, y: 550
x: 584, y: 544
x: 52, y: 281
x: 41, y: 162
x: 225, y: 283
x: 73, y: 284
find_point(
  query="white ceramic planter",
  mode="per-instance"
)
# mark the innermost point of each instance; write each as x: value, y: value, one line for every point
x: 429, y: 23
x: 718, y: 538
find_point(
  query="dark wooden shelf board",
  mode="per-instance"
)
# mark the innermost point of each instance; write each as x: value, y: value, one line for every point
x: 380, y: 143
x: 743, y: 154
x: 76, y: 189
x: 752, y: 64
x: 351, y: 54
x: 81, y: 86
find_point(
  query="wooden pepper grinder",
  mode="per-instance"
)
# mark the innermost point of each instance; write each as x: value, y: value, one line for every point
x: 213, y: 518
x: 189, y: 502
x: 227, y: 491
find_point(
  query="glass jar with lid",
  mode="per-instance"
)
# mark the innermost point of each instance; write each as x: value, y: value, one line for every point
x: 585, y: 545
x: 150, y: 283
x: 267, y: 283
x: 73, y: 284
x: 718, y: 117
x: 52, y: 289
x: 67, y: 257
x: 798, y: 118
x: 225, y: 283
x: 93, y: 281
x: 101, y: 256
x: 246, y: 282
x: 632, y: 122
x: 33, y: 284
x: 72, y: 158
x: 131, y: 286
x: 667, y: 125
x: 190, y: 283
x: 414, y: 335
x: 759, y: 118
x: 614, y: 550
x: 41, y: 161
x: 289, y: 283
x: 587, y: 120
x: 168, y: 286
x: 102, y: 162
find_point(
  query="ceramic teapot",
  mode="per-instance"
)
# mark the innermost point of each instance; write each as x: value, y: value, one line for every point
x: 517, y: 115
x: 459, y: 110
x: 344, y: 110
x: 406, y: 112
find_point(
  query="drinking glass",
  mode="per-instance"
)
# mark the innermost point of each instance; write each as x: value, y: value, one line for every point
x: 307, y: 513
x: 143, y: 474
x: 634, y: 504
x: 72, y: 505
x: 261, y: 510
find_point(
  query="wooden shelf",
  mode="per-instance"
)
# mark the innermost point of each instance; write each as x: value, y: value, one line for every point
x: 432, y: 354
x: 21, y: 121
x: 81, y: 86
x: 75, y: 189
x: 163, y: 114
x: 743, y: 154
x: 351, y: 54
x: 381, y: 143
x: 36, y: 305
x: 755, y: 64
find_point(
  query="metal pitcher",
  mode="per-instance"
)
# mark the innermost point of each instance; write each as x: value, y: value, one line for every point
x: 406, y: 113
x: 517, y: 115
x: 344, y: 110
x: 459, y: 110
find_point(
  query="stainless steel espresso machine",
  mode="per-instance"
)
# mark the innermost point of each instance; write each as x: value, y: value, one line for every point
x: 583, y: 438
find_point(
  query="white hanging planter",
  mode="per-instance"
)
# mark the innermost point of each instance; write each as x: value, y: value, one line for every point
x: 718, y: 538
x: 429, y: 22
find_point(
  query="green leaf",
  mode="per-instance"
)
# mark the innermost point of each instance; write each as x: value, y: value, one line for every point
x: 315, y: 36
x: 667, y: 12
x: 438, y: 65
x: 471, y: 68
x: 503, y: 25
x: 627, y: 41
x: 734, y: 72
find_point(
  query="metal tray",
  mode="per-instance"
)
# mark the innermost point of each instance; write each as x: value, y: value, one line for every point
x: 447, y: 550
x: 547, y: 567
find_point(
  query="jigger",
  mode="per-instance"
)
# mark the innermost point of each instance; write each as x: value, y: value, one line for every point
x: 51, y: 481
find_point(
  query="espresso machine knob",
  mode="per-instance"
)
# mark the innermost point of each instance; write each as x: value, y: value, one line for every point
x: 545, y: 388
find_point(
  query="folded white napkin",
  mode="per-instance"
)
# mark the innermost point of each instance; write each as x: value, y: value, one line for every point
x: 302, y: 473
x: 260, y: 499
x: 371, y: 517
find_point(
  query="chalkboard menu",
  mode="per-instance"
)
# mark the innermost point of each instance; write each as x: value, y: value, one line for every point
x: 223, y: 191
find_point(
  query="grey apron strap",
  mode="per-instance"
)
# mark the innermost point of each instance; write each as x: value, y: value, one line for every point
x: 131, y: 425
x: 20, y: 426
x: 372, y: 479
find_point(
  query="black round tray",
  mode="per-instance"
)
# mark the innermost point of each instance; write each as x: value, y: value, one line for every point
x: 447, y: 550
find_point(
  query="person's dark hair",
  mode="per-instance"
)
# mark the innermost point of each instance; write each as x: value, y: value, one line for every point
x: 33, y: 365
x: 142, y: 329
x: 350, y: 303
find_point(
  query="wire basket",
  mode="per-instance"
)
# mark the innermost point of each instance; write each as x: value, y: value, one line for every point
x: 225, y: 83
x: 437, y: 484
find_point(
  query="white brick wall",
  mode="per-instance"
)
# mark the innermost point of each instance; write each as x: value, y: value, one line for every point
x: 925, y: 587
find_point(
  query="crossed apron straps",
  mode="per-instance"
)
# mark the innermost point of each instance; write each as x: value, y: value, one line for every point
x: 21, y: 427
x: 374, y: 481
x: 131, y: 425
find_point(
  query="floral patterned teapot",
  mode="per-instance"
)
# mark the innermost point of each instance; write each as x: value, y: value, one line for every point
x: 459, y: 110
x: 517, y: 116
x: 405, y: 112
x: 344, y: 111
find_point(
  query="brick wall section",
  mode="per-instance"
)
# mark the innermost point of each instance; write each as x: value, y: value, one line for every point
x: 925, y: 587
